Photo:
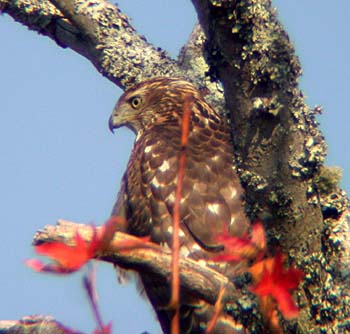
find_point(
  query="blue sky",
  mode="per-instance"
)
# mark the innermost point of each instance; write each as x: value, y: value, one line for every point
x: 58, y: 159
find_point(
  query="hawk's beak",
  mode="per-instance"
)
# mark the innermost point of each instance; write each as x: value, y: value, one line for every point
x: 119, y: 119
x: 111, y: 124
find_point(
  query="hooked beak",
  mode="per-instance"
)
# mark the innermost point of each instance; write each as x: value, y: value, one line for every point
x: 119, y: 119
x: 111, y: 124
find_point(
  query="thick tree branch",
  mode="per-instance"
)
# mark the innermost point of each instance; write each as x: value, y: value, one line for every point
x: 99, y: 31
x: 193, y: 63
x: 279, y: 149
x: 34, y: 324
x: 202, y: 281
x: 255, y: 61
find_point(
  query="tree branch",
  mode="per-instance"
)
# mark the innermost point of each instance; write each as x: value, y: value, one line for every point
x: 274, y: 134
x: 202, y: 281
x: 34, y: 324
x: 279, y: 148
x: 98, y: 31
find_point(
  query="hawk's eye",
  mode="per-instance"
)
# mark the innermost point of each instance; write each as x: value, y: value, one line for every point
x: 136, y: 102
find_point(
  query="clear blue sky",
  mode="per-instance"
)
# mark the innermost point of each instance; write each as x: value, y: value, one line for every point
x: 58, y: 159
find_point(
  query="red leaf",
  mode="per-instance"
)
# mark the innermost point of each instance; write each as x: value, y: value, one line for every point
x: 39, y: 266
x: 272, y: 280
x: 258, y: 236
x: 71, y: 258
x: 106, y: 233
x: 104, y: 330
x: 241, y: 248
x: 68, y: 258
x: 139, y: 242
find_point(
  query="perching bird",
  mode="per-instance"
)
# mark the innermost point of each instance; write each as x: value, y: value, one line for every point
x: 211, y: 196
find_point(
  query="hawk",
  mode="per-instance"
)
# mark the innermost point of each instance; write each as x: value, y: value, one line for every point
x: 211, y: 195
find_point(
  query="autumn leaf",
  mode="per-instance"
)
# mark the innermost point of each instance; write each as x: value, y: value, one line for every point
x: 272, y: 280
x: 244, y: 247
x: 258, y: 236
x: 106, y: 233
x: 71, y: 258
x: 272, y: 283
x: 104, y: 330
x: 67, y: 258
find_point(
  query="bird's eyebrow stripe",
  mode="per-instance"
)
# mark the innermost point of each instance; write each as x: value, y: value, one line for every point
x: 133, y: 96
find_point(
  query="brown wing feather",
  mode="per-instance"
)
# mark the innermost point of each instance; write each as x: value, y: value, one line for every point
x: 211, y: 190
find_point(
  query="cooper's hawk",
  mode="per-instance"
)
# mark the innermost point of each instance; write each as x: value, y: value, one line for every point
x: 211, y: 195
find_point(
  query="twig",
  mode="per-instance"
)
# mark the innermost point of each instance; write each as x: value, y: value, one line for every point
x: 175, y: 296
x: 217, y: 310
x: 89, y: 282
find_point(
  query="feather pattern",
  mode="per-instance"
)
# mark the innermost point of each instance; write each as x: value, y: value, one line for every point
x: 211, y: 197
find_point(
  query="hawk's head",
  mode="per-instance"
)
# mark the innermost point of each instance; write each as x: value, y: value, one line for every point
x: 152, y: 102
